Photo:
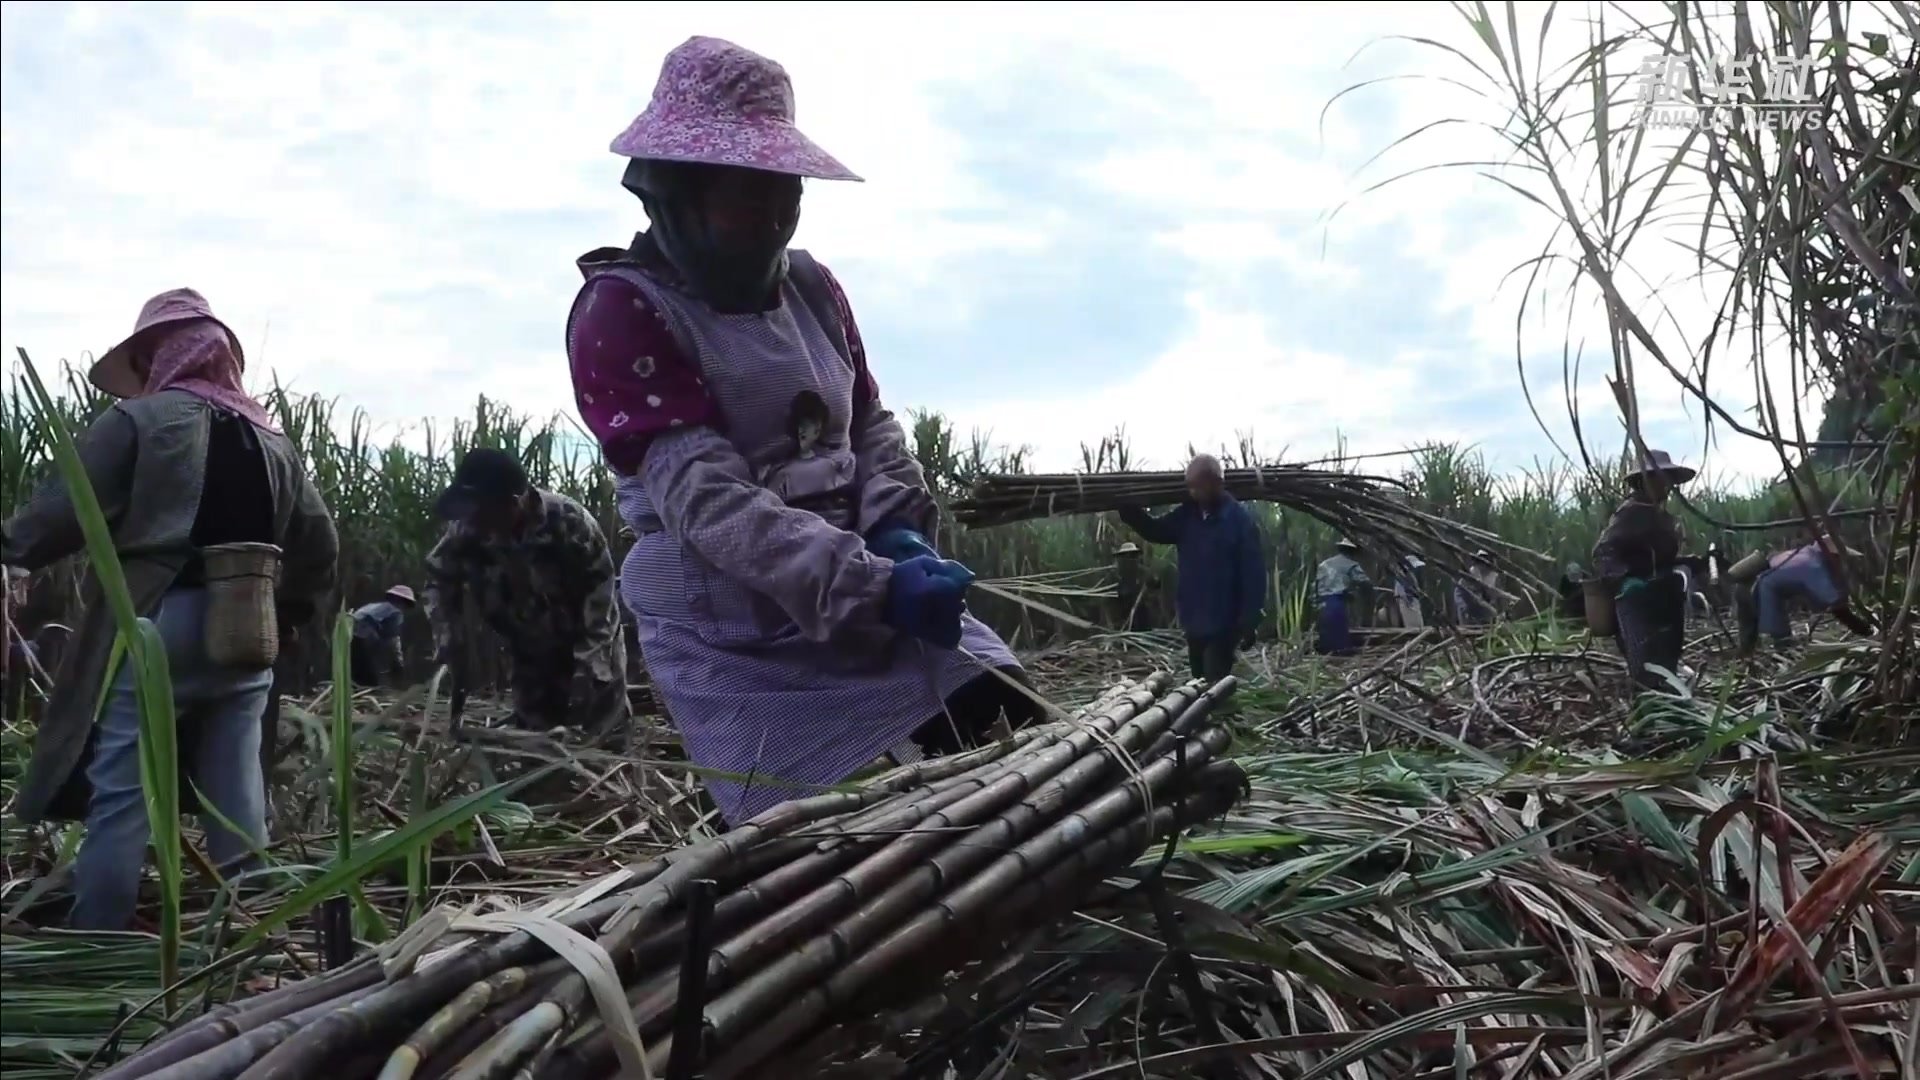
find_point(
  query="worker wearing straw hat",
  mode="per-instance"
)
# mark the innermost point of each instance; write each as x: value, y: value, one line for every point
x: 538, y: 568
x: 792, y: 608
x: 1407, y: 593
x: 1222, y: 589
x: 1130, y: 610
x: 1799, y: 576
x: 377, y: 653
x: 185, y: 462
x: 1340, y: 586
x: 1473, y: 595
x: 1636, y: 557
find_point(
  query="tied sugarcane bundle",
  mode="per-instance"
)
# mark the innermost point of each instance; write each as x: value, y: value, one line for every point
x: 1376, y: 511
x: 792, y: 919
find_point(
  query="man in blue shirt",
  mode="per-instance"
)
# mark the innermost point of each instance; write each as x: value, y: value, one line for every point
x: 1222, y: 593
x: 376, y: 656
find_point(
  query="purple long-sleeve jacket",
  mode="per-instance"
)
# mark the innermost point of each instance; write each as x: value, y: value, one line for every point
x: 657, y: 418
x: 756, y: 459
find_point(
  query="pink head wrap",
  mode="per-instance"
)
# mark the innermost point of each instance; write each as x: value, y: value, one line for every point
x: 197, y: 356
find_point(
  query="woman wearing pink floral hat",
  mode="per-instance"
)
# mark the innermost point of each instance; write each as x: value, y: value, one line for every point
x: 791, y: 607
x: 185, y: 461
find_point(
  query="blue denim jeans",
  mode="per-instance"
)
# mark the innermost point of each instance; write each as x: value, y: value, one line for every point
x: 1773, y: 590
x: 226, y: 705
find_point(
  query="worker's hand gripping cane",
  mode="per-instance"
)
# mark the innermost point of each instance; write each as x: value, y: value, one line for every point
x: 925, y: 598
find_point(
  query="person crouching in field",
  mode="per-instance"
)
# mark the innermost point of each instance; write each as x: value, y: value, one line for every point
x: 794, y: 613
x: 1803, y: 575
x: 1636, y: 557
x: 378, y: 655
x: 1222, y: 591
x: 185, y: 461
x: 540, y: 572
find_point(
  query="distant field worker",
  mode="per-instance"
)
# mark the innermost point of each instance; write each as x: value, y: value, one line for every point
x: 1473, y: 596
x: 1803, y: 575
x: 1129, y: 582
x: 187, y: 460
x: 1407, y: 592
x: 1637, y: 558
x: 538, y: 569
x: 794, y: 613
x: 1222, y: 591
x: 378, y: 655
x: 1340, y: 588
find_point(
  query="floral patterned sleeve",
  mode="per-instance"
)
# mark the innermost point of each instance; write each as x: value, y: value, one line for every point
x: 631, y: 379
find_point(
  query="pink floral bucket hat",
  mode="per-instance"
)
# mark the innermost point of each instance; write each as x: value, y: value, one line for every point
x: 719, y: 104
x: 114, y: 373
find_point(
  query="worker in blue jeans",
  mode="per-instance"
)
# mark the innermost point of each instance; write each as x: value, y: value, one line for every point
x: 186, y: 462
x: 218, y: 716
x: 1802, y: 575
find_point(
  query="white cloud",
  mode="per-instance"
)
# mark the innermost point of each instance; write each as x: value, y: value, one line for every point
x: 1227, y: 379
x: 318, y: 168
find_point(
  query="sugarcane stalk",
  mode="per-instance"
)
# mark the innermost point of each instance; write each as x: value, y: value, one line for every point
x: 468, y: 1039
x: 230, y: 1058
x: 654, y: 998
x: 999, y: 783
x: 735, y: 1012
x: 1189, y: 722
x: 497, y: 1056
x: 454, y: 1015
x: 748, y: 951
x: 212, y: 1032
x: 1359, y: 505
x: 229, y: 1021
x: 403, y: 1005
x: 1063, y: 846
x: 826, y: 874
x: 646, y: 906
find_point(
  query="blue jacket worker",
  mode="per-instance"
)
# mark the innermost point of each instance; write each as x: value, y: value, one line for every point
x: 1223, y: 572
x: 377, y: 657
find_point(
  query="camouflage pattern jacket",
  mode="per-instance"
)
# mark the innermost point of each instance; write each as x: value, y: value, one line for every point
x: 549, y: 590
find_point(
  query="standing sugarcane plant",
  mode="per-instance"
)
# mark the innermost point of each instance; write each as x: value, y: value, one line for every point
x: 138, y: 646
x: 1800, y: 236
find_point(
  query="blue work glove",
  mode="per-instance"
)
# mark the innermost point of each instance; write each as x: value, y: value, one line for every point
x: 924, y: 602
x: 892, y: 540
x: 954, y: 572
x: 898, y: 543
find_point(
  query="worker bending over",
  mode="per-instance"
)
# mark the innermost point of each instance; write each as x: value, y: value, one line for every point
x: 541, y: 574
x: 1803, y: 575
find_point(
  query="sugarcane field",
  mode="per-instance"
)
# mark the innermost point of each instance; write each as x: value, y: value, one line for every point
x: 1287, y: 545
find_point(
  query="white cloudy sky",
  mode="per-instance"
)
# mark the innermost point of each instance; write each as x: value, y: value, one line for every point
x: 1071, y: 222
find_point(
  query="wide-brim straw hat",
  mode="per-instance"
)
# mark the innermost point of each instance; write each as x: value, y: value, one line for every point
x: 1128, y: 548
x: 400, y: 592
x: 1345, y: 544
x: 113, y: 373
x: 1661, y: 462
x: 719, y: 104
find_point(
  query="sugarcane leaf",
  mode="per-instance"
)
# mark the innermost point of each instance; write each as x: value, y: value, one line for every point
x: 394, y: 845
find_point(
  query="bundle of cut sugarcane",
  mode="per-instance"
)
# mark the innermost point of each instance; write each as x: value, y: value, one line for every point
x: 1373, y: 510
x: 795, y: 920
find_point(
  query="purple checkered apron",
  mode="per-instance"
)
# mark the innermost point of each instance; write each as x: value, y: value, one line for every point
x: 747, y: 692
